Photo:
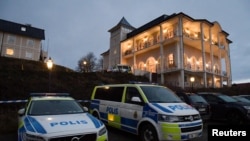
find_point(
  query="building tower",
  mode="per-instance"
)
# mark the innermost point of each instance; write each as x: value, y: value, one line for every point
x: 117, y: 34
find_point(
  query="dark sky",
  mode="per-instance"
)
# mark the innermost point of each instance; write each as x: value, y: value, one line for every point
x: 74, y: 28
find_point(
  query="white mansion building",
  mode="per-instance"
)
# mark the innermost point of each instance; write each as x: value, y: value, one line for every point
x: 176, y: 47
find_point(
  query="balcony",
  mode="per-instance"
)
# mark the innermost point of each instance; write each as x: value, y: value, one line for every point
x: 129, y: 51
x: 192, y: 35
x: 151, y: 42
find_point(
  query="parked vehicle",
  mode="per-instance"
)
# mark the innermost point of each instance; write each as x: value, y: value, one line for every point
x: 58, y: 117
x: 197, y: 102
x: 241, y: 99
x: 224, y: 107
x: 122, y: 68
x: 152, y: 112
x: 245, y: 96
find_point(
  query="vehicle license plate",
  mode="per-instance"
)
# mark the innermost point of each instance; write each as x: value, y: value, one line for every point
x: 192, y: 136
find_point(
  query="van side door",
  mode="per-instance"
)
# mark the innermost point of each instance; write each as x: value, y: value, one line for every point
x: 110, y: 99
x: 131, y: 109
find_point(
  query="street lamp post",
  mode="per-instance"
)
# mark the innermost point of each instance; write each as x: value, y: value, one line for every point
x: 84, y: 64
x: 192, y: 79
x: 49, y: 66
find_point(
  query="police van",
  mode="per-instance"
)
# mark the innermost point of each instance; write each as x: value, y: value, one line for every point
x: 152, y: 112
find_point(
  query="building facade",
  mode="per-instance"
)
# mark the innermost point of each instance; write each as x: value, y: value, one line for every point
x: 182, y: 51
x: 21, y: 41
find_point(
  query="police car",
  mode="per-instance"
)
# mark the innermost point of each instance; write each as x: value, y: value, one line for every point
x: 152, y: 112
x: 58, y: 117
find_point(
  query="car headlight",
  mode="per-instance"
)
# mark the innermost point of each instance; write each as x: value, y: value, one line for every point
x: 29, y: 137
x: 247, y: 107
x: 197, y: 117
x: 102, y: 131
x: 168, y: 118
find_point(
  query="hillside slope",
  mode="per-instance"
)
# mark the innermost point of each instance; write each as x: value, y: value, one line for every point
x: 21, y: 77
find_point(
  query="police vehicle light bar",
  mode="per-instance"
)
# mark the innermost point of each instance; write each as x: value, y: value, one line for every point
x: 49, y: 94
x: 139, y: 82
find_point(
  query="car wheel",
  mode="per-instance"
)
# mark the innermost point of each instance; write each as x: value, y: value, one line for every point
x: 148, y: 133
x: 234, y: 117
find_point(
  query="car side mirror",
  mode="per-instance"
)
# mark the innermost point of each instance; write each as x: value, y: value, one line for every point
x: 135, y: 99
x: 21, y: 112
x: 85, y: 109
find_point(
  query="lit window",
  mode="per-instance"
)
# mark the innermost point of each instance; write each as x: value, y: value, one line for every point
x: 171, y: 59
x: 23, y: 28
x: 9, y: 51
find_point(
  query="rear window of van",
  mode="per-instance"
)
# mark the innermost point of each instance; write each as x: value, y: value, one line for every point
x: 109, y: 93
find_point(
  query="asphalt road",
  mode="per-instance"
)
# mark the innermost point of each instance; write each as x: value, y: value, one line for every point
x: 117, y: 135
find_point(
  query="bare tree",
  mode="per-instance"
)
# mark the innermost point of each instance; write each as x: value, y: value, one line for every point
x: 99, y: 66
x: 87, y: 63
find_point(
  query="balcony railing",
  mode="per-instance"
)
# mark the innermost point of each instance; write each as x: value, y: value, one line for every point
x: 150, y: 42
x: 167, y: 36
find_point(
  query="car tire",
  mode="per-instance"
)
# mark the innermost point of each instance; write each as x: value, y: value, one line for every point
x: 148, y: 133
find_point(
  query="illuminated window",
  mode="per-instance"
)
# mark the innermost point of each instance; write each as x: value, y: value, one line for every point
x: 23, y: 28
x: 171, y: 59
x: 141, y: 66
x: 9, y: 51
x: 150, y: 64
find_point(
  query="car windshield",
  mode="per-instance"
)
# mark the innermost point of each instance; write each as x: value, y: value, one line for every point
x: 241, y: 99
x: 227, y: 98
x: 160, y: 95
x: 54, y: 107
x: 245, y: 96
x: 197, y: 99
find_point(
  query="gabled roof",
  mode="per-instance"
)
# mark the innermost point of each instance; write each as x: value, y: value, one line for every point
x: 20, y: 29
x: 122, y: 22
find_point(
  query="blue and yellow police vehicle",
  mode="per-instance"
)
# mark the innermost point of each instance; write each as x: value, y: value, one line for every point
x: 58, y: 117
x: 152, y: 112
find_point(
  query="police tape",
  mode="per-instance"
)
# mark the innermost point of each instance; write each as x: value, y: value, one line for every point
x: 14, y: 101
x: 23, y: 101
x: 84, y: 101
